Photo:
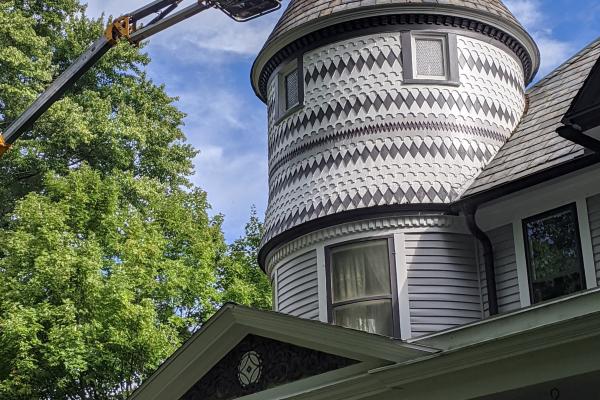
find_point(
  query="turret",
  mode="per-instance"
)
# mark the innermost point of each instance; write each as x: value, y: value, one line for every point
x: 380, y: 116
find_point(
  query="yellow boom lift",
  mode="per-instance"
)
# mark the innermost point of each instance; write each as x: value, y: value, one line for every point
x: 131, y: 28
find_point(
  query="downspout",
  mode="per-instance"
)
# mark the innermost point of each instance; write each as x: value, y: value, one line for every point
x: 488, y: 257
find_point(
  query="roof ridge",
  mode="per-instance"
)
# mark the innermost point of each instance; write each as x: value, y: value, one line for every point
x: 568, y: 62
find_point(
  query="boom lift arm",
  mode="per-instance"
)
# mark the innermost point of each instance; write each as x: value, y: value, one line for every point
x: 129, y: 27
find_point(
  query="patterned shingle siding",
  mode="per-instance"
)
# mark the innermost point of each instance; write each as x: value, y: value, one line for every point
x: 505, y: 262
x: 300, y: 12
x: 363, y: 133
x: 594, y: 216
x: 443, y: 283
x: 297, y: 292
x: 535, y: 145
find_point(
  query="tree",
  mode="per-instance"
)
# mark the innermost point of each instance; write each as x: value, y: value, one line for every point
x: 109, y: 259
x: 241, y: 279
x: 102, y: 279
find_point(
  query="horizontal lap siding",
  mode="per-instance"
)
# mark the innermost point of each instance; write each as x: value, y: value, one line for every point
x: 297, y: 287
x: 443, y: 285
x: 505, y: 263
x: 594, y: 215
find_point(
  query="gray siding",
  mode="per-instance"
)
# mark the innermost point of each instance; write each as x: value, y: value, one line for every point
x: 443, y: 284
x: 505, y: 262
x: 297, y: 287
x: 594, y: 215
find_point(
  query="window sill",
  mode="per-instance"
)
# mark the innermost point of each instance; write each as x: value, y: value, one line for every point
x: 431, y: 82
x: 289, y: 112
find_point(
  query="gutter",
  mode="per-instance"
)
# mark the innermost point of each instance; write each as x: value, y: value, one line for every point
x: 488, y: 256
x: 575, y: 134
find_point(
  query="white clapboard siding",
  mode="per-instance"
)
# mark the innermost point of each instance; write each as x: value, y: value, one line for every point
x: 505, y: 263
x: 297, y: 287
x: 594, y: 215
x: 443, y: 284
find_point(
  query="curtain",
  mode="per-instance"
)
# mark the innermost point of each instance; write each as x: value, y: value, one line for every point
x: 360, y: 270
x: 370, y: 316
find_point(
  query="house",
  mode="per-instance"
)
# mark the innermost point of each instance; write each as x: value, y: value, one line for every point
x: 433, y: 229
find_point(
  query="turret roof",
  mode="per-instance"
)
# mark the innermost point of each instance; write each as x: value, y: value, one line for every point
x: 300, y: 12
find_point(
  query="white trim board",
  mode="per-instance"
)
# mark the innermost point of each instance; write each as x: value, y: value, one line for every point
x: 540, y: 198
x: 402, y: 282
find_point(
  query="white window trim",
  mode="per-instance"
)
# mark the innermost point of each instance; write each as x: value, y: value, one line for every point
x: 521, y: 258
x: 322, y: 283
x: 402, y: 282
x: 445, y: 51
x: 409, y: 58
x: 393, y: 270
x: 587, y: 248
x: 281, y: 98
x: 585, y: 238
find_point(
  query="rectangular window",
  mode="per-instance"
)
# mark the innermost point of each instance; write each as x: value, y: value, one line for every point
x: 291, y: 89
x: 430, y: 57
x: 553, y: 250
x: 362, y: 287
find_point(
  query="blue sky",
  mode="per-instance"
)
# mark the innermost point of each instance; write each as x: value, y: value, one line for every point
x: 206, y: 62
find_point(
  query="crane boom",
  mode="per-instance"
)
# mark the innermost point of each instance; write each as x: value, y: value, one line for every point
x: 126, y: 27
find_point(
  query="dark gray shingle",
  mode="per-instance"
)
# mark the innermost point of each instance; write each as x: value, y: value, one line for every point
x: 302, y: 11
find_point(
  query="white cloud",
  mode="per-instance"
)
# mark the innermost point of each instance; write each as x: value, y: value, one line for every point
x: 528, y: 12
x: 204, y: 61
x: 554, y: 52
x: 531, y: 15
x: 229, y: 129
x: 207, y: 37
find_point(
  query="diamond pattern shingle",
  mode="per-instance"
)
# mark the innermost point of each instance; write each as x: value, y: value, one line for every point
x: 300, y: 12
x: 535, y: 145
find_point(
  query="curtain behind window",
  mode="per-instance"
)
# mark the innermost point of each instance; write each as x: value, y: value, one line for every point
x: 359, y: 272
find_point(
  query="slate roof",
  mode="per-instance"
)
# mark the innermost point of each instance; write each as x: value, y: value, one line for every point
x: 300, y: 12
x: 535, y: 146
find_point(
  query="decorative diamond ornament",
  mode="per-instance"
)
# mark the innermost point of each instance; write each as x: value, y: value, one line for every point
x: 250, y: 369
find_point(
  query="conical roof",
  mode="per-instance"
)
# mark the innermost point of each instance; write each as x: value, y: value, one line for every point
x: 300, y: 12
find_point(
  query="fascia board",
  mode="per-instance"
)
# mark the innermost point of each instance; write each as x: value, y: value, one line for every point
x: 357, y: 345
x: 568, y: 331
x: 501, y: 375
x: 519, y: 33
x: 318, y: 385
x: 232, y: 323
x: 195, y: 357
x: 524, y: 320
x: 390, y: 381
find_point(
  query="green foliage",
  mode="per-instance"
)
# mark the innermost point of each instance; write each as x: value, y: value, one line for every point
x: 109, y: 259
x: 103, y: 277
x: 241, y: 279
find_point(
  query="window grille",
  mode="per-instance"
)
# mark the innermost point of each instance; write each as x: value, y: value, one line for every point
x: 292, y: 97
x: 430, y: 57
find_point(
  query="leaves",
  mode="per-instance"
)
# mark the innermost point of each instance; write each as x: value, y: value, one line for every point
x: 110, y: 260
x: 241, y: 279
